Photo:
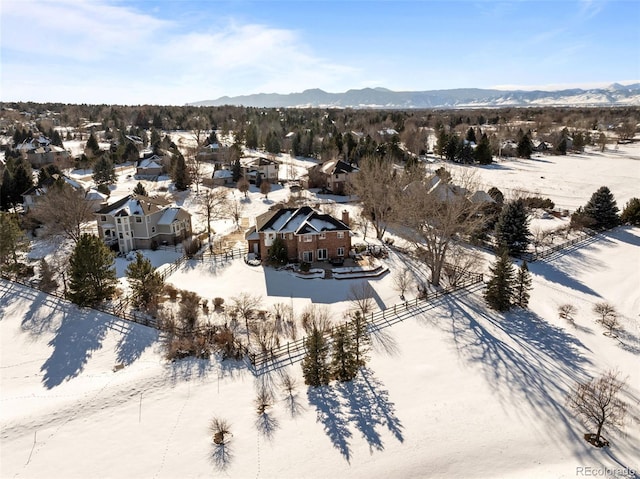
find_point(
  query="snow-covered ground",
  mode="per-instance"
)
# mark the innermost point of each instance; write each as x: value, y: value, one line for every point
x: 456, y: 391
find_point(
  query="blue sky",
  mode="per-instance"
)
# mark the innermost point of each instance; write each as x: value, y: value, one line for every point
x: 174, y: 52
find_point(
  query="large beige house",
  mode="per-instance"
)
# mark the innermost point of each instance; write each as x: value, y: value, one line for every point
x: 141, y: 222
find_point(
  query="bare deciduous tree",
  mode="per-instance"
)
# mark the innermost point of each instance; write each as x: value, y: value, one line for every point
x: 402, y: 281
x: 265, y: 334
x: 214, y: 204
x: 439, y: 219
x: 63, y: 211
x: 245, y: 305
x: 459, y: 262
x: 608, y: 316
x: 243, y: 186
x: 220, y: 429
x: 236, y: 209
x: 597, y: 404
x: 315, y: 317
x: 376, y: 185
x: 567, y: 311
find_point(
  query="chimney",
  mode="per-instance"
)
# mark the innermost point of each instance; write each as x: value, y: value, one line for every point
x: 345, y: 217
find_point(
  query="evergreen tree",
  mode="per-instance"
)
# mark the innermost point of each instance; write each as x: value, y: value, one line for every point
x: 12, y: 239
x: 92, y: 147
x: 22, y: 181
x: 361, y: 338
x: 92, y: 272
x: 278, y: 252
x: 496, y: 194
x: 140, y: 189
x: 631, y: 213
x: 441, y: 142
x: 602, y: 208
x: 344, y: 366
x: 251, y: 137
x: 6, y: 190
x: 561, y: 146
x: 56, y: 139
x: 180, y: 174
x: 471, y: 135
x: 104, y: 172
x: 272, y: 144
x: 483, y: 151
x: 512, y: 228
x: 499, y: 292
x: 523, y: 286
x: 47, y: 281
x: 525, y: 147
x: 236, y: 170
x: 145, y: 283
x: 315, y: 368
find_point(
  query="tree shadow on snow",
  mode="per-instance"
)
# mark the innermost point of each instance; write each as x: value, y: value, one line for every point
x: 80, y: 333
x: 222, y: 456
x: 555, y: 275
x: 134, y: 340
x: 363, y: 402
x: 267, y: 425
x: 369, y: 408
x: 333, y: 419
x: 520, y: 352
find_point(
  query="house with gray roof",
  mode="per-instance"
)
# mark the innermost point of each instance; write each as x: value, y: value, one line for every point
x: 140, y: 222
x: 308, y: 234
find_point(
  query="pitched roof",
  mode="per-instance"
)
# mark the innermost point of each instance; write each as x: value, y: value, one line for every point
x: 334, y: 167
x: 304, y: 220
x: 134, y: 205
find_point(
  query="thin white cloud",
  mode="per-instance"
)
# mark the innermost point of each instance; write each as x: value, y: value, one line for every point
x: 114, y: 54
x: 560, y: 86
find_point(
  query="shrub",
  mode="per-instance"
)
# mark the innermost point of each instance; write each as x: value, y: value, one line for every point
x: 305, y: 267
x: 191, y: 246
x: 218, y: 302
x: 539, y: 202
x: 219, y: 428
x: 170, y: 291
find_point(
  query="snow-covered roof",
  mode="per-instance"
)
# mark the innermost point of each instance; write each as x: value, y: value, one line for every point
x: 333, y: 167
x: 223, y: 174
x: 169, y: 216
x: 150, y: 162
x: 481, y: 197
x: 303, y: 220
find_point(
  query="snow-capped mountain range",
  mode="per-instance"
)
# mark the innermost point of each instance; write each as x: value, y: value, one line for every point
x: 613, y: 95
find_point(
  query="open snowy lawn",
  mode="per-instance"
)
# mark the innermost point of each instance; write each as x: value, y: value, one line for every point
x: 456, y: 391
x: 568, y: 180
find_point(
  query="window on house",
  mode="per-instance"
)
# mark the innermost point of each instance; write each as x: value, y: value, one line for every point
x: 308, y: 238
x: 153, y: 229
x: 138, y: 219
x: 119, y: 221
x: 322, y: 254
x: 340, y: 251
x: 340, y: 235
x: 103, y: 218
x: 307, y: 256
x: 290, y: 236
x: 120, y: 235
x: 323, y: 235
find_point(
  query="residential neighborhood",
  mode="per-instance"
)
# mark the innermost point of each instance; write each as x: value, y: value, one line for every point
x: 324, y: 291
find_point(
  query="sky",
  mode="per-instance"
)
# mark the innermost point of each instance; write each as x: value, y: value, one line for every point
x: 180, y: 51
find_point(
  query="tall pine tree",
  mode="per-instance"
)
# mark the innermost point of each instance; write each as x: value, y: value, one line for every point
x: 522, y: 286
x: 602, y: 209
x: 344, y: 365
x: 315, y: 368
x: 145, y: 283
x: 180, y: 173
x: 512, y: 228
x: 499, y: 292
x: 92, y: 272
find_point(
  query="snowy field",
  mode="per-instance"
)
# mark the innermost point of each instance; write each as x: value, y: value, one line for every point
x: 457, y: 391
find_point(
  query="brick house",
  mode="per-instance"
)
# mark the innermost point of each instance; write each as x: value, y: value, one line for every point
x: 138, y: 222
x: 308, y: 234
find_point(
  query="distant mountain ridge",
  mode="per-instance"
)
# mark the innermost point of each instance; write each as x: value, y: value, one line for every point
x: 613, y: 95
